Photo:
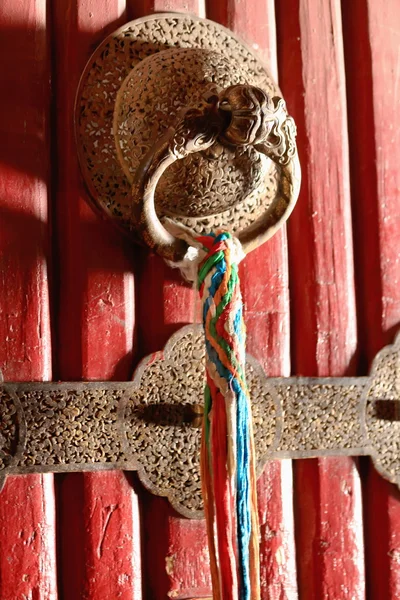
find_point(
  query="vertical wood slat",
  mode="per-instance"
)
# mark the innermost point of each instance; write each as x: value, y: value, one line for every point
x: 175, y: 551
x: 175, y: 556
x: 174, y: 548
x: 253, y: 21
x: 371, y: 36
x: 140, y: 8
x: 264, y: 282
x: 99, y: 514
x: 327, y: 491
x: 27, y: 511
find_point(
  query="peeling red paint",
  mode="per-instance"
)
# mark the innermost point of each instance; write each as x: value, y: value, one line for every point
x: 329, y: 540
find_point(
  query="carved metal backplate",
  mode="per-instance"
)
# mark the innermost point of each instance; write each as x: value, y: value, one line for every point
x: 149, y: 424
x: 201, y: 192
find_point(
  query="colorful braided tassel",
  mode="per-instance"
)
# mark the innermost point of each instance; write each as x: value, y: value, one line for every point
x: 227, y: 454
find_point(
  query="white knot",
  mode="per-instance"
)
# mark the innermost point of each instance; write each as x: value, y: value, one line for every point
x: 189, y: 266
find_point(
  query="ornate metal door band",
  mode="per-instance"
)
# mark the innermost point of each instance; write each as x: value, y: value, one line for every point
x: 151, y: 425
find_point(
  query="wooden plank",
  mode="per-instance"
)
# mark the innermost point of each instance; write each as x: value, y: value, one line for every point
x: 140, y: 8
x: 277, y: 548
x: 27, y: 511
x: 173, y: 547
x: 327, y: 491
x: 99, y: 514
x: 264, y: 281
x: 253, y: 21
x: 371, y: 37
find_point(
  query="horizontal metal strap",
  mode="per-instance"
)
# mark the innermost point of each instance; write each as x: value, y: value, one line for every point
x: 151, y: 424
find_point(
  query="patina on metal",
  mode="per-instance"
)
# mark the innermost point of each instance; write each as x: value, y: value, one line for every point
x: 151, y: 423
x: 180, y: 131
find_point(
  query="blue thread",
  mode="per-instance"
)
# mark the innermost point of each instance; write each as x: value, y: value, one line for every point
x: 243, y: 496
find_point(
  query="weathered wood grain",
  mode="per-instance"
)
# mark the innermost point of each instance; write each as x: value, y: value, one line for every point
x: 371, y: 37
x: 140, y: 8
x: 264, y: 278
x: 27, y: 512
x: 99, y: 518
x: 173, y: 548
x: 264, y: 282
x: 327, y: 491
x: 253, y: 21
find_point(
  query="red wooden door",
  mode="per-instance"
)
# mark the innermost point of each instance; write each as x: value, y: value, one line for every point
x: 76, y: 301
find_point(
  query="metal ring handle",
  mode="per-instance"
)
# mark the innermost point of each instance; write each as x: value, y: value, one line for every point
x: 239, y: 115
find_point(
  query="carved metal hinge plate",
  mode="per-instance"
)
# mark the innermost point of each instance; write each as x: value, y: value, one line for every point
x: 150, y: 424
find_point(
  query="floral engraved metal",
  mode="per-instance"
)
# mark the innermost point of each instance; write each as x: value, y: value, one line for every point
x: 381, y: 411
x: 131, y: 99
x: 151, y: 424
x: 256, y: 118
x: 172, y: 381
x: 9, y: 429
x: 198, y: 193
x: 238, y: 116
